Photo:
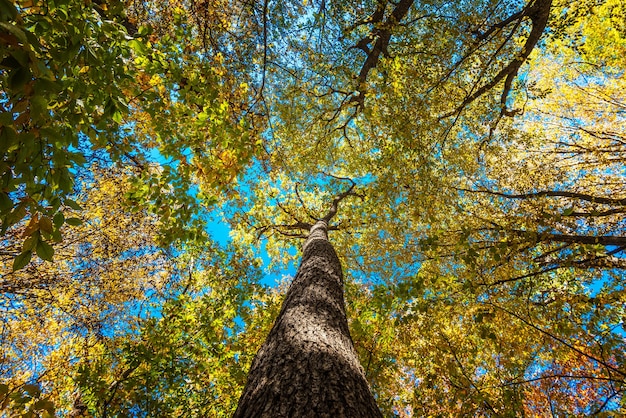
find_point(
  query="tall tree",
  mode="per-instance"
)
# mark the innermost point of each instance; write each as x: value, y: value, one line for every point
x: 483, y: 265
x: 308, y: 367
x: 521, y: 278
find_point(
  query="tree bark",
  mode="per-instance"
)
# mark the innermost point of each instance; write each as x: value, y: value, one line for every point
x: 308, y: 367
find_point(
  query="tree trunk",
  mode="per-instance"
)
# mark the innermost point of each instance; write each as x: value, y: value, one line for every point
x: 308, y: 367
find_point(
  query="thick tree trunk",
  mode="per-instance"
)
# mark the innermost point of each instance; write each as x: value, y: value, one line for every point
x: 308, y: 367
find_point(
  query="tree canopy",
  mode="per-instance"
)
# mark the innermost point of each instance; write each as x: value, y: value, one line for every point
x: 483, y: 241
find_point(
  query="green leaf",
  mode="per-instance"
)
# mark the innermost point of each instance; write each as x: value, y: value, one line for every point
x: 7, y: 10
x: 45, y: 251
x: 45, y: 224
x: 73, y: 221
x: 22, y: 260
x: 15, y: 31
x: 78, y: 158
x: 138, y: 46
x: 19, y: 77
x: 16, y: 215
x: 6, y: 204
x: 30, y: 243
x: 144, y: 30
x: 32, y: 390
x: 56, y: 236
x: 65, y: 183
x: 38, y: 107
x: 44, y: 404
x: 72, y: 204
x: 20, y: 57
x: 117, y: 117
x: 44, y: 85
x: 6, y: 118
x: 58, y: 219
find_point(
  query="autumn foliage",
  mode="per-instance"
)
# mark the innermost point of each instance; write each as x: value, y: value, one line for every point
x: 483, y: 245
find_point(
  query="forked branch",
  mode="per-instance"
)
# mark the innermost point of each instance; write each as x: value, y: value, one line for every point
x: 289, y: 230
x: 335, y: 204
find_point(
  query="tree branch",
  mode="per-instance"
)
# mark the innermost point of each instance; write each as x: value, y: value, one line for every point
x: 573, y: 195
x: 558, y: 339
x: 380, y: 36
x: 576, y: 239
x: 538, y: 12
x: 335, y: 204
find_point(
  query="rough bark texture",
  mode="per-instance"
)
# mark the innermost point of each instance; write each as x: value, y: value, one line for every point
x: 308, y: 367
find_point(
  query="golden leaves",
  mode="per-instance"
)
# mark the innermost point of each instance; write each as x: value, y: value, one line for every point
x: 102, y: 272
